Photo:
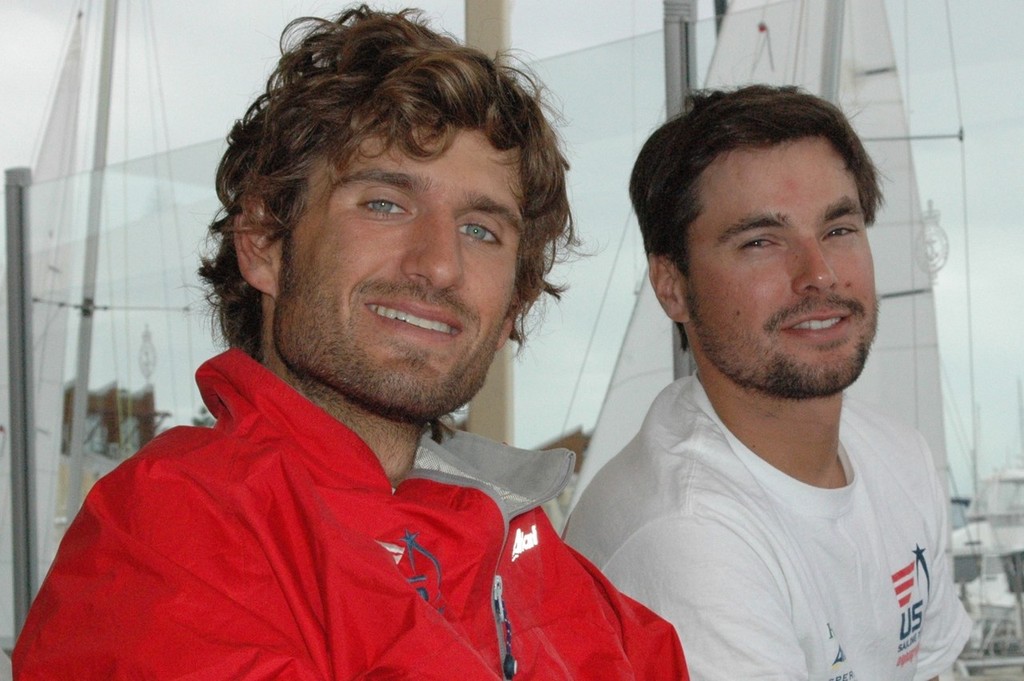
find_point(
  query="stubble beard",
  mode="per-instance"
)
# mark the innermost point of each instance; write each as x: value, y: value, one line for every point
x: 331, y: 365
x: 749, y: 362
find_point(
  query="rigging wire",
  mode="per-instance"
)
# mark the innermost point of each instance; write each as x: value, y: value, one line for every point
x: 175, y: 227
x: 623, y: 235
x: 914, y: 219
x: 963, y: 439
x: 971, y: 445
x: 106, y: 308
x: 76, y: 18
x: 597, y: 322
x: 801, y: 47
x: 122, y: 399
x: 967, y: 246
x: 50, y: 325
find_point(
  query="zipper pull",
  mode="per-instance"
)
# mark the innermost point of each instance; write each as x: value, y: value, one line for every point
x: 508, y: 662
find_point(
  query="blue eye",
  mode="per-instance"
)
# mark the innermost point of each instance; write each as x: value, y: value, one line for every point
x: 478, y: 232
x: 383, y: 206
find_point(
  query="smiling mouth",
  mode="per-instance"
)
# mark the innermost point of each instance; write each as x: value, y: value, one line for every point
x: 818, y: 324
x: 408, y: 318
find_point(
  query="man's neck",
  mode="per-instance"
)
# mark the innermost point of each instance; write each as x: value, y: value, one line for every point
x: 393, y: 442
x: 798, y: 437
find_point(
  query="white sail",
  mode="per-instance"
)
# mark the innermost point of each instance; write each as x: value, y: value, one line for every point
x: 51, y: 213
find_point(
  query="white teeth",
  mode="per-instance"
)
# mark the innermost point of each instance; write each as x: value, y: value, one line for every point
x: 815, y: 324
x: 412, y: 319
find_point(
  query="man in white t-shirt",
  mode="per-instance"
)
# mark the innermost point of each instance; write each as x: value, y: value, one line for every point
x: 787, y: 531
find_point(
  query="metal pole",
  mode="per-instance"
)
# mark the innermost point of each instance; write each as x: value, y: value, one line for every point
x: 22, y: 400
x: 80, y: 396
x: 832, y: 53
x: 680, y: 53
x: 487, y: 25
x: 680, y: 79
x: 491, y: 411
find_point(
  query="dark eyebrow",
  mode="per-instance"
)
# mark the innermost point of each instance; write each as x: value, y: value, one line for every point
x: 487, y: 205
x: 844, y: 207
x: 409, y: 182
x: 750, y: 222
x: 389, y: 177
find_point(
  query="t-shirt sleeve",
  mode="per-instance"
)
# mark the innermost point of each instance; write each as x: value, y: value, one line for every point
x: 729, y: 608
x: 946, y: 625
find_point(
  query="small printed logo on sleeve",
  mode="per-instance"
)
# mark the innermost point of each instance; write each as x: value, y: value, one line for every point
x: 905, y: 582
x: 524, y: 541
x: 840, y: 670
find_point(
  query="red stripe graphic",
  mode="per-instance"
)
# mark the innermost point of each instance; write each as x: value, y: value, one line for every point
x: 900, y: 574
x: 903, y: 582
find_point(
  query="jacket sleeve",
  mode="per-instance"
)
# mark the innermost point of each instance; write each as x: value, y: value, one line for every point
x: 648, y: 641
x: 116, y: 604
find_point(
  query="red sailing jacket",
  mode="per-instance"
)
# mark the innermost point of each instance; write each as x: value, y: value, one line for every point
x: 272, y: 547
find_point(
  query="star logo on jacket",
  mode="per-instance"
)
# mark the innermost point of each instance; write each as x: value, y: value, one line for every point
x: 524, y: 541
x: 419, y: 566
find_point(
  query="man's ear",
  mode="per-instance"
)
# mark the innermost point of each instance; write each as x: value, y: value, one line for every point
x: 669, y: 285
x: 506, y: 331
x: 259, y: 256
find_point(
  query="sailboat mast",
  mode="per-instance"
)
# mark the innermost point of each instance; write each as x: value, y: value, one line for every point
x: 680, y: 53
x: 80, y: 396
x: 680, y: 17
x: 491, y: 411
x: 22, y: 399
x: 832, y: 53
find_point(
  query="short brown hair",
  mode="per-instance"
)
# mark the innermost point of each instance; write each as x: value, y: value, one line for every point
x: 665, y: 183
x: 388, y: 76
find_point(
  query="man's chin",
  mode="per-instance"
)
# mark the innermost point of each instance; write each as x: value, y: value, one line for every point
x: 405, y: 409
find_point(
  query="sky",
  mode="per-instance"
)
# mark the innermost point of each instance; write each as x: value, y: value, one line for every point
x: 208, y: 78
x: 212, y: 58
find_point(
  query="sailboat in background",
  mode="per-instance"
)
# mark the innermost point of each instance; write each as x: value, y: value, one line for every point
x: 53, y: 208
x: 988, y: 558
x: 112, y: 293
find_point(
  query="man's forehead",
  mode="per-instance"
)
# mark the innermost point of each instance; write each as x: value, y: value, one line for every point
x: 738, y: 161
x: 379, y: 151
x: 423, y: 146
x: 377, y: 160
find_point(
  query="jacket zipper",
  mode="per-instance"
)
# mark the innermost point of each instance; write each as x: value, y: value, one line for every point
x: 508, y: 662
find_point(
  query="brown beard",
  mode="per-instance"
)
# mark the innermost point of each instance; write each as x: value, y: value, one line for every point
x: 775, y: 374
x: 329, y: 362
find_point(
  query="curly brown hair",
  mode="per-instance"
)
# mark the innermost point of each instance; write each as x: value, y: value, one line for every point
x: 374, y: 75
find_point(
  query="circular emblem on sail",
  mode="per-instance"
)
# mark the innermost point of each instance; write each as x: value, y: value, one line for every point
x: 931, y: 247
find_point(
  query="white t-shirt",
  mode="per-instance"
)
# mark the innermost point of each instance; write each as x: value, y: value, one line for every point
x: 766, y: 577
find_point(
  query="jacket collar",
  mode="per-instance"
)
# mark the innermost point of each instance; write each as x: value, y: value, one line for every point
x: 517, y: 479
